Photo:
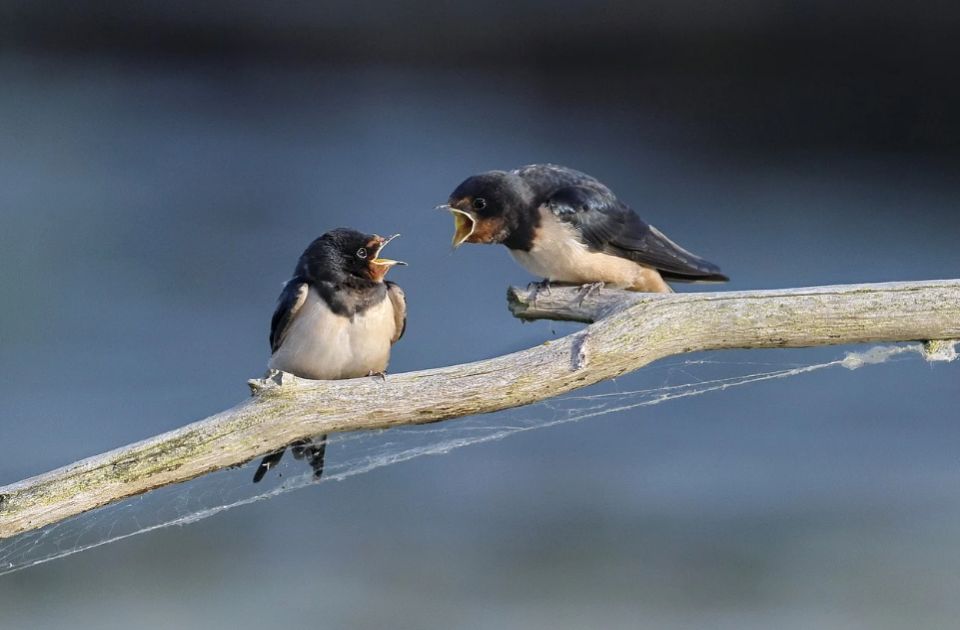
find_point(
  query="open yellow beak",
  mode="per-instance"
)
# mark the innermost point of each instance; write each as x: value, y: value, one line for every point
x: 386, y: 262
x: 464, y: 224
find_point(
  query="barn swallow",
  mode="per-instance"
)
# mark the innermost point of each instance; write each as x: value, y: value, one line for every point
x: 336, y: 318
x: 566, y: 226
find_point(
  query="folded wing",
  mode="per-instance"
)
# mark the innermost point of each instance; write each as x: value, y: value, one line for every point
x: 289, y: 303
x: 607, y: 225
x: 399, y: 302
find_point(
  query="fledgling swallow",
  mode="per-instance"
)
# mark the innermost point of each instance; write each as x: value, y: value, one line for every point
x: 566, y: 226
x: 336, y: 318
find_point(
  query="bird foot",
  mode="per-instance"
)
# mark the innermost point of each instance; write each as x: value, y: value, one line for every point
x: 538, y: 288
x: 382, y: 374
x: 589, y: 289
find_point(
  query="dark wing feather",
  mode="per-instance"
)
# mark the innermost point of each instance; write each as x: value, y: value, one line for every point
x: 291, y: 299
x: 546, y: 177
x: 399, y: 302
x: 607, y: 225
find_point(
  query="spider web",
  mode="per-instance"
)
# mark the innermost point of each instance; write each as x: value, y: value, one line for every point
x: 351, y: 454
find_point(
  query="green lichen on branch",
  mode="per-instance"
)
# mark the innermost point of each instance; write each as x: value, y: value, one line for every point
x: 940, y: 349
x: 631, y: 330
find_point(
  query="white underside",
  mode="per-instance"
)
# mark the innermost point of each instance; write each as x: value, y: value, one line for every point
x: 322, y: 345
x: 559, y: 256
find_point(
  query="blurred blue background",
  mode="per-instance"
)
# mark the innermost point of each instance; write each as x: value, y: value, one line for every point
x: 162, y: 166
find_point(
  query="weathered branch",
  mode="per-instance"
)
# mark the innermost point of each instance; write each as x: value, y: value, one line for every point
x: 633, y: 330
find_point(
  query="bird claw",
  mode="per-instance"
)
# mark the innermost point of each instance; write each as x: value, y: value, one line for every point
x: 589, y: 289
x: 538, y: 288
x: 382, y: 374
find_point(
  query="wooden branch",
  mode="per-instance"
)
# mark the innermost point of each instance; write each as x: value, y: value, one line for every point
x: 633, y: 330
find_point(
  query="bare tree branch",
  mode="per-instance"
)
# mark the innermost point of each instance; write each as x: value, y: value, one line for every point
x: 632, y: 330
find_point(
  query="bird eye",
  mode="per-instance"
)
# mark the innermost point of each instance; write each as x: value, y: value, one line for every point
x: 362, y: 252
x: 479, y: 203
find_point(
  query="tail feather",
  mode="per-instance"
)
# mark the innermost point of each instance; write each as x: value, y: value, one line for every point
x: 690, y: 277
x: 314, y: 451
x: 267, y: 463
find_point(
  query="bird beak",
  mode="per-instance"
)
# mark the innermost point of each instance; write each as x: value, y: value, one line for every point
x: 464, y: 224
x: 385, y: 263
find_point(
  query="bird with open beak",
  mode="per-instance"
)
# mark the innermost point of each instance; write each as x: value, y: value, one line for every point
x: 565, y: 226
x: 336, y: 318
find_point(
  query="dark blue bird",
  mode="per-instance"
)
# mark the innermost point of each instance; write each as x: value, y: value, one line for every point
x: 566, y: 226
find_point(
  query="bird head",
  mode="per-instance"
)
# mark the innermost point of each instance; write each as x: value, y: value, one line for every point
x: 485, y: 207
x: 352, y: 253
x: 377, y: 266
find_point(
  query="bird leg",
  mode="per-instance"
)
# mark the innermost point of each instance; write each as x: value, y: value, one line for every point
x: 382, y: 374
x: 589, y: 289
x: 538, y: 288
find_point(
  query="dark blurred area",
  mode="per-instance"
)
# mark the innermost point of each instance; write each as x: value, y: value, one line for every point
x: 163, y: 164
x: 808, y: 74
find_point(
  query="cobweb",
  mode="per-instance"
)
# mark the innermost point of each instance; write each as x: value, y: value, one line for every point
x: 351, y: 454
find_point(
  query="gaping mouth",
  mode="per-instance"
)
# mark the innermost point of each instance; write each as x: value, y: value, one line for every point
x: 384, y: 264
x: 464, y: 224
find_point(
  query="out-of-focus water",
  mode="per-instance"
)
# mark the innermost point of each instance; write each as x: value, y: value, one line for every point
x: 151, y: 214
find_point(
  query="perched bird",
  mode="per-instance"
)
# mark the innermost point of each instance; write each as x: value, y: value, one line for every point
x: 566, y: 226
x: 336, y: 318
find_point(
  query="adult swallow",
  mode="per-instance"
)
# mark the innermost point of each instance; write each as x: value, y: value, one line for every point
x: 336, y: 318
x: 566, y: 226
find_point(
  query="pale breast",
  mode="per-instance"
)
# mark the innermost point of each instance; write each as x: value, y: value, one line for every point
x: 560, y: 256
x: 323, y: 345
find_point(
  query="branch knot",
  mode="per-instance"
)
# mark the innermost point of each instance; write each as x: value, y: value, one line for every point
x: 579, y: 355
